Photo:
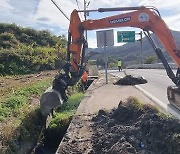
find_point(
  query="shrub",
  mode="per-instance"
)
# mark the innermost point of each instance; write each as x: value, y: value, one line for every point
x: 25, y: 50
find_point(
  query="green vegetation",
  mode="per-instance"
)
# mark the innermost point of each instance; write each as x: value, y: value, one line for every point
x: 20, y: 117
x: 139, y: 105
x: 16, y: 103
x: 150, y: 60
x: 72, y: 103
x: 25, y: 50
x: 61, y: 121
x: 112, y: 62
x: 66, y: 111
x: 21, y: 120
x: 21, y: 135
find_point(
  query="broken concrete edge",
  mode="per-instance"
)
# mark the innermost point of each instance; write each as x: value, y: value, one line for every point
x: 87, y: 95
x: 81, y: 110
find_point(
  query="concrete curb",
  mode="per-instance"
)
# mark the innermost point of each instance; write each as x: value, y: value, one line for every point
x: 168, y: 107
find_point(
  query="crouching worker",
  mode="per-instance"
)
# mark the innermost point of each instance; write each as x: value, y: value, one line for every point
x: 84, y: 80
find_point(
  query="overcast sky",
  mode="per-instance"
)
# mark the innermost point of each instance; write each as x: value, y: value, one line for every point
x: 42, y: 14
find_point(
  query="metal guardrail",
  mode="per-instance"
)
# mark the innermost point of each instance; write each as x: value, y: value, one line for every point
x: 152, y: 66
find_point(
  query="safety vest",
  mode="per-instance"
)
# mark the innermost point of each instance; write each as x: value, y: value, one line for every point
x: 84, y: 77
x: 119, y: 63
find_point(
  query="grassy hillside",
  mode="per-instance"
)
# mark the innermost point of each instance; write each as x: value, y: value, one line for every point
x: 25, y: 50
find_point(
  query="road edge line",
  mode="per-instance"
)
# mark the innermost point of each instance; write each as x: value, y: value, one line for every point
x: 158, y: 102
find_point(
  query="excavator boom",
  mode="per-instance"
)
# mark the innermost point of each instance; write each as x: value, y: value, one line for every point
x: 146, y: 18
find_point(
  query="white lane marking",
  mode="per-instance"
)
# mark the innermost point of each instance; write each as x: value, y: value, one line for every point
x: 156, y: 100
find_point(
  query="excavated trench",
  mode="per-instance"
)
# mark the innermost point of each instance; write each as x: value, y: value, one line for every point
x: 52, y: 137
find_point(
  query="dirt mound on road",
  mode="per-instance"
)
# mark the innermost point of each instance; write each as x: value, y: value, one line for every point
x: 135, y: 128
x: 131, y: 80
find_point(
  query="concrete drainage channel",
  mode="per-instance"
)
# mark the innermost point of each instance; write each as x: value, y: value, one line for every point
x: 52, y: 136
x: 51, y: 139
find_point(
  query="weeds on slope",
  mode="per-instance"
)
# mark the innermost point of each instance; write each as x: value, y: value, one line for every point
x: 20, y: 117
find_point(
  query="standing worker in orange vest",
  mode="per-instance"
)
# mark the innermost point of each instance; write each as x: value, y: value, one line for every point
x: 120, y: 65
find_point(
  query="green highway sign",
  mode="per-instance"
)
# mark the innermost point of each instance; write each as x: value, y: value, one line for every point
x: 125, y: 36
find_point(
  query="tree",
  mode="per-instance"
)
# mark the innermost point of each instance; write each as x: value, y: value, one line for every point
x: 150, y: 60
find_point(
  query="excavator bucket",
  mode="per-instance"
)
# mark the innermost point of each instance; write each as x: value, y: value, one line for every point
x: 50, y: 100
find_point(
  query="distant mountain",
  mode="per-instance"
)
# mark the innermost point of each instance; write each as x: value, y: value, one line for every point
x: 130, y: 52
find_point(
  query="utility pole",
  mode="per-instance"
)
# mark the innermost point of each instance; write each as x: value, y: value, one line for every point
x: 85, y: 16
x: 84, y: 9
x: 141, y: 47
x: 106, y: 57
x: 141, y: 56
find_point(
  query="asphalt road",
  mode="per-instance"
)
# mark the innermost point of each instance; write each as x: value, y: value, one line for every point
x: 157, y: 84
x: 158, y: 81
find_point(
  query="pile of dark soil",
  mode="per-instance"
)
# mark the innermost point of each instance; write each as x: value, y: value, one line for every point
x: 135, y: 128
x: 131, y: 80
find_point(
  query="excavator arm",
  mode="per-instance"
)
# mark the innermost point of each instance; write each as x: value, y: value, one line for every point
x: 146, y: 18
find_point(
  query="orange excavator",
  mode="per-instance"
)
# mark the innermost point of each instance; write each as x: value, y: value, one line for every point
x: 146, y: 18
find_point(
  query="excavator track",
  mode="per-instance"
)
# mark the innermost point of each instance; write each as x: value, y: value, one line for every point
x: 173, y: 94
